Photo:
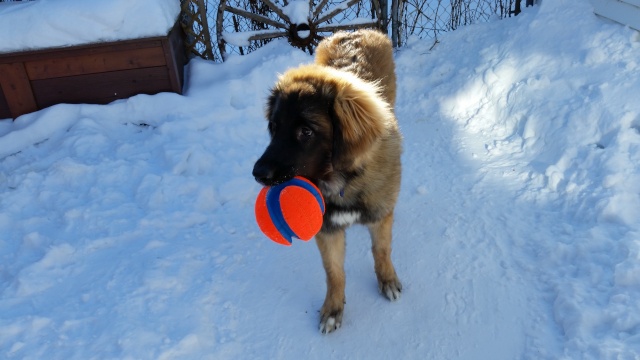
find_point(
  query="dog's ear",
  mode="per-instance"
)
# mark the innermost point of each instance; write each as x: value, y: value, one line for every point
x: 361, y: 118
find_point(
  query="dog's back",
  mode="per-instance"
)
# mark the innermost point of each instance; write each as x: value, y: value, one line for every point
x: 366, y: 53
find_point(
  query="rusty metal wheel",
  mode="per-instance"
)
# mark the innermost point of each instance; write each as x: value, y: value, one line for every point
x: 243, y: 26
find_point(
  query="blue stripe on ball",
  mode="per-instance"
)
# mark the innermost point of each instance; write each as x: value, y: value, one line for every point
x: 275, y: 210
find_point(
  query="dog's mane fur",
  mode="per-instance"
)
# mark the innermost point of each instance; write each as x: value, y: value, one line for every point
x: 370, y: 59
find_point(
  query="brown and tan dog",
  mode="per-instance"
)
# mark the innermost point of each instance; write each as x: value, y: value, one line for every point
x: 333, y: 123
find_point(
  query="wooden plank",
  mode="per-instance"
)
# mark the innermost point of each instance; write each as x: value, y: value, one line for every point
x: 5, y: 113
x: 95, y: 63
x: 175, y: 58
x: 17, y: 89
x: 622, y: 12
x: 80, y: 50
x: 101, y: 88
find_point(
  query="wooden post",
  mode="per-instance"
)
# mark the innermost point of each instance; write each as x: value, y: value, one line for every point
x: 518, y: 9
x: 175, y: 58
x: 395, y: 22
x: 17, y: 89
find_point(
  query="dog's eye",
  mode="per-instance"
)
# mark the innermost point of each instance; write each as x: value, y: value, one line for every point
x: 304, y: 133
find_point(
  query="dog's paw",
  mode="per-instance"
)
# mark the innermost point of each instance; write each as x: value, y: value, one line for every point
x: 330, y: 321
x: 392, y: 289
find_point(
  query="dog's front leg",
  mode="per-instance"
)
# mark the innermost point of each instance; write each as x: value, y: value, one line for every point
x: 332, y: 248
x: 388, y: 282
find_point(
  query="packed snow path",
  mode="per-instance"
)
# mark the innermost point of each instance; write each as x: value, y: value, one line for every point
x: 127, y: 230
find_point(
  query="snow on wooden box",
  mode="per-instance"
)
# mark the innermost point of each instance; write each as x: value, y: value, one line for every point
x: 96, y: 74
x: 86, y: 52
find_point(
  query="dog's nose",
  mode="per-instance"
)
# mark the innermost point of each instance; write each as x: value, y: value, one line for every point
x: 263, y: 173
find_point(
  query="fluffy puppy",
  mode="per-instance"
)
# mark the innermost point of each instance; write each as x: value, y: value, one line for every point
x: 333, y: 123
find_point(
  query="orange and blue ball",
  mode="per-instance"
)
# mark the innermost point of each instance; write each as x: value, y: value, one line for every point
x: 293, y: 209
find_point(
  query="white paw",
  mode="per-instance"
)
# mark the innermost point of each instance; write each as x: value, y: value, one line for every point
x: 392, y: 289
x: 330, y: 324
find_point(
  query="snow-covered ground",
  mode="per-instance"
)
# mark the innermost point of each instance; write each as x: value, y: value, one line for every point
x: 127, y: 230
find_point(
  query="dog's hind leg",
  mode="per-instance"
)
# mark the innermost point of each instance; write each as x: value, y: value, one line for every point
x: 388, y: 282
x: 332, y: 248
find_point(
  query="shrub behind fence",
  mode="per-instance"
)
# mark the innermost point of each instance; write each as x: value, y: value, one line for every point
x: 426, y: 19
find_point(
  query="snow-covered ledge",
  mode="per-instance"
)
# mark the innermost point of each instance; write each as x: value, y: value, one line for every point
x: 39, y: 24
x: 626, y: 12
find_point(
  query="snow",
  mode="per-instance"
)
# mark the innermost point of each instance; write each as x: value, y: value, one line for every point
x: 243, y: 38
x: 33, y: 25
x: 127, y: 229
x: 626, y: 12
x: 297, y: 11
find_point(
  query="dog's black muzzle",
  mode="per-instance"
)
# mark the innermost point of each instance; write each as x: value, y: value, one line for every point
x: 269, y: 170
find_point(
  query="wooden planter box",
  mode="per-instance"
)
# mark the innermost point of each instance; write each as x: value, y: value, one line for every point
x: 93, y: 74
